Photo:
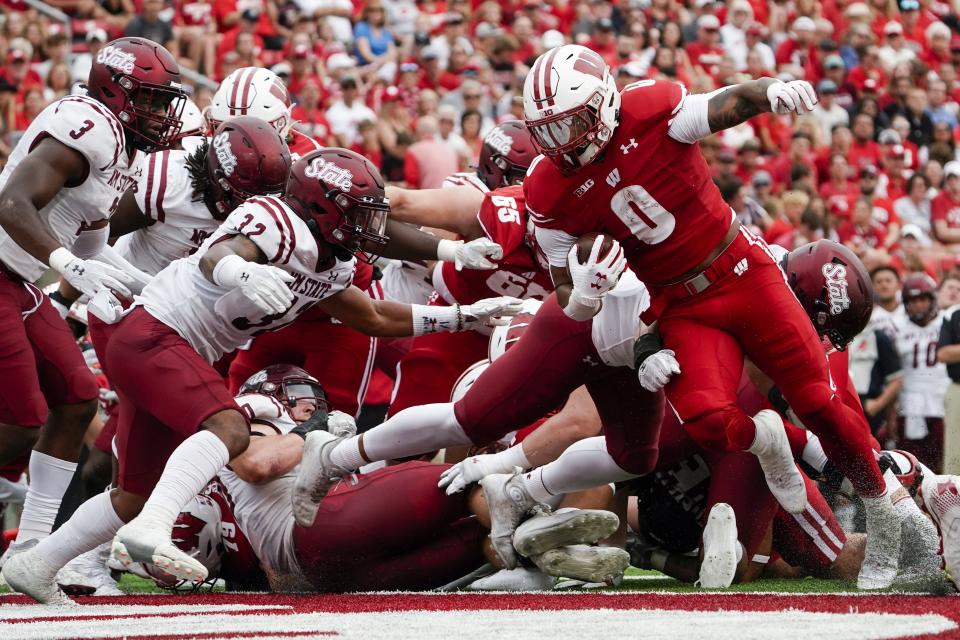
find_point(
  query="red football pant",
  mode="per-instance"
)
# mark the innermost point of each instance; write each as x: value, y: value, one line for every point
x: 755, y: 313
x: 339, y: 357
x: 40, y: 363
x: 390, y: 529
x: 535, y: 376
x: 811, y: 539
x: 427, y: 373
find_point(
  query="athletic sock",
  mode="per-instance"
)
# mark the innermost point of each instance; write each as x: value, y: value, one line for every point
x: 49, y: 479
x: 93, y: 523
x: 585, y: 464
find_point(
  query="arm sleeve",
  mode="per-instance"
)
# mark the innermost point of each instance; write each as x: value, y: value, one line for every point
x: 87, y: 127
x: 555, y: 245
x: 266, y: 223
x: 691, y: 123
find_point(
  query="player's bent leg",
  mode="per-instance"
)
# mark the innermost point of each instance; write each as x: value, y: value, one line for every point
x: 631, y: 418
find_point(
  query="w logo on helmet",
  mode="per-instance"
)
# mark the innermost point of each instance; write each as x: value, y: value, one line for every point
x: 590, y: 63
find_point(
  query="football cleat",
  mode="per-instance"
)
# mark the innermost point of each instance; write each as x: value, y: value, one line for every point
x: 92, y: 569
x: 583, y: 562
x: 719, y: 564
x: 315, y: 476
x: 141, y: 541
x: 13, y: 549
x: 772, y: 449
x: 519, y: 579
x: 546, y: 530
x: 508, y: 502
x: 33, y: 576
x: 879, y: 567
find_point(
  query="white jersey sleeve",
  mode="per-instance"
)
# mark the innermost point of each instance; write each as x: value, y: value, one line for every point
x: 265, y: 411
x: 555, y: 244
x: 268, y: 225
x: 691, y: 122
x: 617, y: 326
x: 85, y: 125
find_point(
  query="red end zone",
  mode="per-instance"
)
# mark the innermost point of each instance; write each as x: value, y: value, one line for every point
x: 504, y: 616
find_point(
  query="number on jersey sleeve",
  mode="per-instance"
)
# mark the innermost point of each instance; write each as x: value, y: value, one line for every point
x: 267, y: 223
x: 84, y: 124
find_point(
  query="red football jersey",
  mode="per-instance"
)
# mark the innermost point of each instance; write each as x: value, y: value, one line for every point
x: 503, y: 217
x: 301, y: 144
x: 944, y: 207
x: 652, y: 193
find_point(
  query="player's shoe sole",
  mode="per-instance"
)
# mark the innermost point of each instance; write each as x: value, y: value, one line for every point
x: 315, y: 476
x: 567, y: 527
x: 519, y: 579
x: 719, y: 564
x: 141, y: 542
x: 32, y: 576
x: 508, y: 502
x: 590, y: 564
x: 776, y: 459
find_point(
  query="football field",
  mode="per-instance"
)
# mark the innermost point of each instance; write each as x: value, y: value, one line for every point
x: 646, y: 605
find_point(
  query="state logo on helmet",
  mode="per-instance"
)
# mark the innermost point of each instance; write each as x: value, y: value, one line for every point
x: 288, y: 384
x: 506, y: 155
x: 834, y: 288
x: 139, y: 82
x: 246, y: 158
x: 341, y: 197
x: 252, y: 91
x: 919, y: 285
x: 571, y: 105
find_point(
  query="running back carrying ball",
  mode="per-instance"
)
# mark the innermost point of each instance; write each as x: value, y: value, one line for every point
x: 585, y: 245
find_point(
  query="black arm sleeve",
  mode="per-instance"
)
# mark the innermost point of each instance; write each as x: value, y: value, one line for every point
x: 888, y: 360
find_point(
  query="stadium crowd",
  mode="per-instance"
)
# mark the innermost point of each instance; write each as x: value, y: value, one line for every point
x: 415, y: 89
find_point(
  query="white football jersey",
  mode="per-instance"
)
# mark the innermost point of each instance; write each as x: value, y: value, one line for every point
x: 925, y: 379
x: 884, y: 320
x: 178, y: 223
x: 264, y: 512
x: 464, y: 179
x: 216, y: 320
x: 617, y: 326
x: 87, y: 126
x: 941, y: 501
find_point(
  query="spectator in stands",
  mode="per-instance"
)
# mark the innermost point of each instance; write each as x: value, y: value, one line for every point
x: 58, y: 82
x: 914, y: 207
x: 864, y: 150
x: 896, y: 50
x: 447, y: 122
x: 861, y: 233
x: 428, y: 160
x: 372, y: 39
x: 149, y: 24
x: 346, y: 113
x: 80, y: 69
x: 196, y: 32
x: 706, y: 52
x: 309, y: 115
x: 877, y: 375
x: 828, y: 113
x: 939, y: 110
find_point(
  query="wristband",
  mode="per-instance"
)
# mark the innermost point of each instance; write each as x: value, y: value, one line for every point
x: 447, y: 250
x: 430, y: 319
x: 226, y: 271
x: 581, y: 308
x: 645, y: 346
x: 59, y: 259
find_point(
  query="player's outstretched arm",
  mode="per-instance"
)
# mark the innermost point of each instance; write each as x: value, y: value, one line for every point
x: 409, y: 243
x: 730, y: 106
x: 128, y: 217
x: 454, y: 209
x: 239, y: 263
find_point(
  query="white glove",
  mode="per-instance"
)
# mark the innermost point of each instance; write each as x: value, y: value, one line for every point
x: 341, y: 425
x: 655, y: 372
x: 490, y: 312
x: 796, y: 96
x: 262, y: 284
x: 89, y: 276
x: 472, y: 469
x: 593, y: 278
x: 104, y: 305
x: 476, y: 254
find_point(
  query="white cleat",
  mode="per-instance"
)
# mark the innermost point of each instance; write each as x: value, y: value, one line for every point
x: 545, y: 530
x: 140, y: 541
x: 772, y: 449
x: 33, y: 576
x: 92, y: 569
x: 315, y: 476
x: 73, y: 582
x: 13, y: 549
x: 590, y: 564
x: 719, y: 564
x: 519, y: 579
x: 880, y: 559
x: 508, y: 502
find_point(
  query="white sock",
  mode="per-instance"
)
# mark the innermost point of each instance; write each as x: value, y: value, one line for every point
x: 49, y: 479
x: 93, y: 523
x: 190, y: 467
x: 585, y: 464
x: 411, y: 432
x: 813, y: 453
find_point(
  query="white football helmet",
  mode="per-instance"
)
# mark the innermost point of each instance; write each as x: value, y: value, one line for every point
x: 505, y: 336
x: 252, y: 91
x: 467, y: 378
x: 192, y: 121
x: 571, y: 105
x: 197, y: 531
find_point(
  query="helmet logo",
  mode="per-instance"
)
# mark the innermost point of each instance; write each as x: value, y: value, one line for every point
x: 500, y: 141
x: 836, y: 280
x: 116, y: 59
x: 228, y: 161
x: 330, y: 173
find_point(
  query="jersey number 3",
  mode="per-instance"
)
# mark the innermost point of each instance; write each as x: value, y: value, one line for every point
x: 76, y: 134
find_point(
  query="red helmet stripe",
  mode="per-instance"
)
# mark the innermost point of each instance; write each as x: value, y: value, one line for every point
x: 546, y: 75
x: 232, y: 103
x: 150, y: 167
x: 536, y: 78
x: 162, y: 189
x: 247, y: 83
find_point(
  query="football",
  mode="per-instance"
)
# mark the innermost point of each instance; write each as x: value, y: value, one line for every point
x: 585, y: 244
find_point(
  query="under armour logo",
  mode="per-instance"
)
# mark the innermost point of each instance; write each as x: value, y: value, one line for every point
x: 599, y: 283
x: 245, y: 277
x: 740, y: 267
x: 626, y: 148
x: 588, y: 360
x: 77, y: 269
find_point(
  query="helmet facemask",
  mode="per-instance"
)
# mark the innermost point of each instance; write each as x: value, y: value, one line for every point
x: 151, y: 113
x: 362, y: 225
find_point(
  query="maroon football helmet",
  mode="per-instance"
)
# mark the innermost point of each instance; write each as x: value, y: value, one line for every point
x: 920, y: 285
x: 139, y: 81
x: 246, y: 158
x: 834, y: 288
x: 287, y: 384
x: 340, y: 195
x: 506, y: 155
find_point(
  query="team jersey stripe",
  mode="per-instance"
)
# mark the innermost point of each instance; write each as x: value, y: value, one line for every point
x: 162, y: 189
x: 147, y: 196
x: 266, y: 205
x: 293, y: 233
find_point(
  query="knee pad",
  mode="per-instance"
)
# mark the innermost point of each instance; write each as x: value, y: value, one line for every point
x: 713, y: 429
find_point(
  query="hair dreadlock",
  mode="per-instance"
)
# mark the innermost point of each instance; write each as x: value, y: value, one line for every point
x: 197, y: 169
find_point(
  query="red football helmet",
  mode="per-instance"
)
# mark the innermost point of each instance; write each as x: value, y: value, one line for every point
x: 139, y: 81
x: 287, y: 384
x: 246, y: 157
x: 340, y: 195
x: 917, y: 286
x: 834, y: 288
x: 506, y: 154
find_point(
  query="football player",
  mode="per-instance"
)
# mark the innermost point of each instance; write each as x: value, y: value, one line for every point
x: 58, y: 190
x: 629, y: 164
x: 270, y: 260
